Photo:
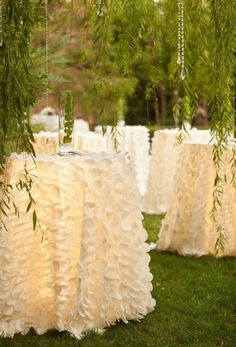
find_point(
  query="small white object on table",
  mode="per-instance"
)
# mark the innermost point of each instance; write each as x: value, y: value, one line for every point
x: 92, y: 267
x: 188, y: 227
x: 51, y: 123
x: 48, y: 142
x: 164, y: 159
x: 133, y: 140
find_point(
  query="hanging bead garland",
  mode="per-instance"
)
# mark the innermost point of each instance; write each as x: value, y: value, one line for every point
x: 1, y: 26
x: 181, y: 39
x: 21, y: 4
x: 179, y: 33
x: 46, y: 52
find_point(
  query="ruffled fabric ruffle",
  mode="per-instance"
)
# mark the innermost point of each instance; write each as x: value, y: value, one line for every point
x: 188, y: 227
x: 133, y: 140
x: 163, y: 167
x: 92, y: 267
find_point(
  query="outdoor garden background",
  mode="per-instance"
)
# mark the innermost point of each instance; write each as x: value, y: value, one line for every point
x: 119, y: 58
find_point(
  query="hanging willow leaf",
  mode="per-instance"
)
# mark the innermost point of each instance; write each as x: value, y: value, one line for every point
x: 29, y: 206
x: 16, y: 210
x: 3, y: 211
x: 6, y: 204
x: 4, y: 225
x: 31, y: 136
x: 34, y: 220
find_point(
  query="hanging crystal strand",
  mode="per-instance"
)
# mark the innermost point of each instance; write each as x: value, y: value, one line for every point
x: 182, y: 34
x: 179, y: 33
x: 46, y: 52
x: 21, y: 4
x: 1, y: 26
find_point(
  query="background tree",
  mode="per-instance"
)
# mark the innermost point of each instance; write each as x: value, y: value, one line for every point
x: 19, y: 85
x: 124, y: 53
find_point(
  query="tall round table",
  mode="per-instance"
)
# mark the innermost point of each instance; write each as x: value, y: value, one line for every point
x: 164, y: 160
x: 85, y: 266
x: 188, y: 227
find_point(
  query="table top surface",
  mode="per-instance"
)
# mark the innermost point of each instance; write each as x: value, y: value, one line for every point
x: 68, y: 158
x: 177, y: 130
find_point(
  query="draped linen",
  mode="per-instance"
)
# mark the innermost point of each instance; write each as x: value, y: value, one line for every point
x: 133, y: 140
x: 86, y: 265
x: 164, y: 159
x: 188, y: 227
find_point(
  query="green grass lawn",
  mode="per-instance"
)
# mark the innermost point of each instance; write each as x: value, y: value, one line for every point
x: 196, y: 307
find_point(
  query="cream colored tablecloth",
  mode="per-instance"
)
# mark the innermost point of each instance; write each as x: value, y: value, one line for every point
x: 133, y: 140
x: 92, y: 267
x: 48, y: 142
x: 188, y: 227
x: 164, y: 159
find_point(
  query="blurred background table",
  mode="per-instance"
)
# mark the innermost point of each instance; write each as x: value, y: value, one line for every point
x: 133, y: 140
x: 164, y: 160
x: 188, y: 227
x: 92, y: 267
x: 48, y: 142
x: 51, y: 123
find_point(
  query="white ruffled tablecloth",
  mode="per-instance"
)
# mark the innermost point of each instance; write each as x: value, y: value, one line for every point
x: 48, y: 142
x: 164, y: 159
x: 51, y: 123
x: 188, y: 227
x: 92, y: 267
x: 133, y: 140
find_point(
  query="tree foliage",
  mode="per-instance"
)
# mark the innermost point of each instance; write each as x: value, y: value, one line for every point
x: 19, y: 89
x: 19, y: 86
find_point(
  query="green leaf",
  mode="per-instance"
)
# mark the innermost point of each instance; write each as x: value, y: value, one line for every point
x: 34, y: 220
x: 4, y: 212
x: 29, y: 206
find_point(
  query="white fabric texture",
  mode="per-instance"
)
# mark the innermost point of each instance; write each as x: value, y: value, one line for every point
x: 90, y: 143
x: 48, y: 142
x: 81, y: 126
x: 133, y: 140
x: 51, y: 123
x: 164, y: 159
x: 188, y: 227
x: 92, y: 267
